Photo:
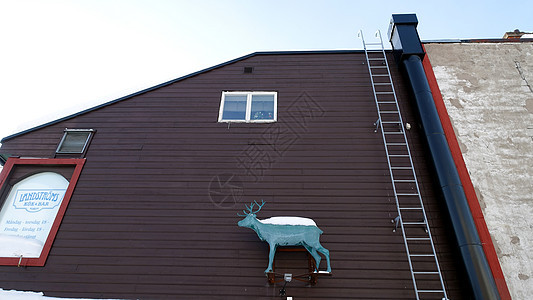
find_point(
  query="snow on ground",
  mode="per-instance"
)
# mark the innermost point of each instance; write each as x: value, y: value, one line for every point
x: 17, y: 295
x: 289, y: 221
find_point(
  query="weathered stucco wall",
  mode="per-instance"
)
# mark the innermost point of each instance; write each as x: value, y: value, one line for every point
x: 488, y: 92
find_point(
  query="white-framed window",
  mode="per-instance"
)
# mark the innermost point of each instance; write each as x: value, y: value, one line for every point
x: 259, y: 107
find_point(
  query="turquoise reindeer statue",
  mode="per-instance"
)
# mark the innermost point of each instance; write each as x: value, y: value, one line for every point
x: 285, y: 231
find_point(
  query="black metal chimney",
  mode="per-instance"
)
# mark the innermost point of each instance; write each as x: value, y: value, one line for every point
x: 409, y: 53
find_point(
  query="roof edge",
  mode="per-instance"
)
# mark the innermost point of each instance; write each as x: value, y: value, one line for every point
x: 174, y: 81
x: 494, y: 40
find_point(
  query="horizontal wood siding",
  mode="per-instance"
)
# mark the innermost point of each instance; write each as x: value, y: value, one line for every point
x: 148, y: 220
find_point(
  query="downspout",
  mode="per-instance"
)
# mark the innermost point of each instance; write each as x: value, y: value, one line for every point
x: 408, y: 49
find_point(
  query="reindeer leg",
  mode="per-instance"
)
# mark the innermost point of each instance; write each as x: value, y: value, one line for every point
x: 326, y: 254
x: 271, y: 257
x: 317, y: 258
x: 314, y: 254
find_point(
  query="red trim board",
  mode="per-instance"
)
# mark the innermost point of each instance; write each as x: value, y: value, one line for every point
x: 468, y: 187
x: 4, y: 175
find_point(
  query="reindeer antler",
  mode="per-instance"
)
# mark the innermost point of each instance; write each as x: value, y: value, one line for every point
x: 260, y: 205
x: 251, y: 208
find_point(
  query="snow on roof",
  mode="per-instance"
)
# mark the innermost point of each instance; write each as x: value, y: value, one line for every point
x: 289, y: 221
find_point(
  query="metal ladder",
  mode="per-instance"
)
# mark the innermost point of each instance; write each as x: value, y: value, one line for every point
x: 411, y: 219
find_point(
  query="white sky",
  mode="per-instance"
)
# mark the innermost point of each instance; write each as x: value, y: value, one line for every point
x: 59, y: 57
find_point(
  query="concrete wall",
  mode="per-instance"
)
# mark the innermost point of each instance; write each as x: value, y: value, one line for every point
x: 488, y: 92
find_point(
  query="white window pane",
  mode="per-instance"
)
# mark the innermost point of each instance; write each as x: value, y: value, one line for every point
x: 262, y: 107
x: 234, y: 107
x: 29, y: 212
x: 74, y: 142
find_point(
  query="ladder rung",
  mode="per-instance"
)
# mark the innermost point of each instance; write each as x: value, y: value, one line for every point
x: 386, y: 102
x: 416, y: 194
x: 380, y: 75
x: 378, y: 67
x: 404, y: 180
x: 376, y: 58
x: 399, y: 155
x: 430, y: 291
x: 417, y: 239
x: 382, y: 83
x: 390, y: 122
x: 414, y: 223
x: 384, y: 93
x: 423, y: 255
x: 396, y: 144
x: 410, y: 208
x: 389, y: 112
x: 395, y: 132
x: 373, y: 44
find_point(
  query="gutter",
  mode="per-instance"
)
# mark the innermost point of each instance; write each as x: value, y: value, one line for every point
x: 409, y: 52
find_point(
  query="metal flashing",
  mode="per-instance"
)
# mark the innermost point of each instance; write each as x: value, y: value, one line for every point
x: 468, y: 187
x: 3, y: 158
x: 489, y: 40
x: 405, y: 19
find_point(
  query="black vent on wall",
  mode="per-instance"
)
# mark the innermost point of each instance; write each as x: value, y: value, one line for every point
x: 248, y: 70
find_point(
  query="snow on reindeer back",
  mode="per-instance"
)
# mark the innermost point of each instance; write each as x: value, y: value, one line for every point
x: 289, y: 221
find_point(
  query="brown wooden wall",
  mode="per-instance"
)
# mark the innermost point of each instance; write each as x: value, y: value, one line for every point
x: 149, y: 219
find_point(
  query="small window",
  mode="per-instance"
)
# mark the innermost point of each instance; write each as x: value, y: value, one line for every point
x: 248, y: 107
x: 74, y: 141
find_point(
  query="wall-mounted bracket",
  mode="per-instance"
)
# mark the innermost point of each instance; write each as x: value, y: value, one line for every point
x: 311, y: 276
x: 377, y: 123
x: 396, y: 222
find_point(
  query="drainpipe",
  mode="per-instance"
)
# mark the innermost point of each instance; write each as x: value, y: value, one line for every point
x: 408, y: 50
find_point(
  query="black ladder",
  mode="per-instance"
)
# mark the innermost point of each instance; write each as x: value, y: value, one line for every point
x: 411, y: 219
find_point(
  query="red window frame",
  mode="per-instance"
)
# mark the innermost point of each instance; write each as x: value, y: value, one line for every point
x: 4, y: 175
